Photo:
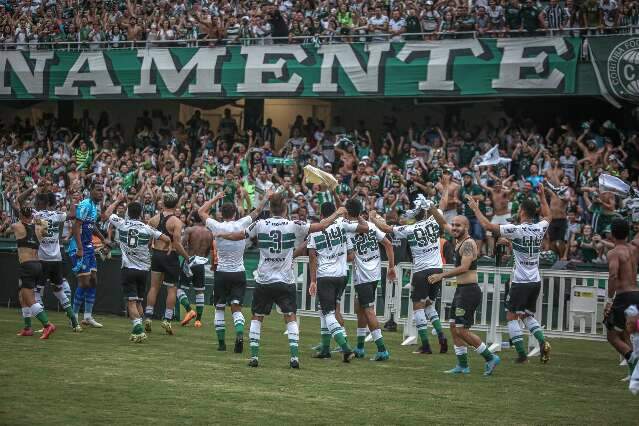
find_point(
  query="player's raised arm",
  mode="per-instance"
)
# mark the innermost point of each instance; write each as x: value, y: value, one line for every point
x: 434, y: 211
x: 258, y: 210
x: 544, y: 208
x: 377, y: 220
x: 206, y: 207
x: 326, y: 222
x: 483, y: 221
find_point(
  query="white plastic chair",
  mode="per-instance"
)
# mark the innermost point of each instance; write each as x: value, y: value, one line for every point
x: 583, y: 303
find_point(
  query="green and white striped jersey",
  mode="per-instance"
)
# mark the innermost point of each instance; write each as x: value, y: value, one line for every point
x: 50, y: 245
x: 368, y: 262
x: 276, y: 241
x: 134, y: 237
x: 527, y: 239
x: 423, y: 240
x: 332, y: 248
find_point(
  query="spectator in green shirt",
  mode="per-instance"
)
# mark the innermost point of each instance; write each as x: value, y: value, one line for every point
x: 532, y: 18
x: 512, y: 15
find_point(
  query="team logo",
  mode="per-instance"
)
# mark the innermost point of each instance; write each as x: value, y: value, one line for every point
x: 623, y: 70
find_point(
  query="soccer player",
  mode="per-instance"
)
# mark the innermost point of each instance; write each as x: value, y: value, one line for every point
x: 82, y: 253
x: 197, y: 243
x: 466, y: 299
x: 366, y: 274
x: 230, y: 276
x: 49, y: 252
x: 28, y: 232
x: 328, y: 251
x: 134, y: 238
x: 622, y: 288
x: 521, y: 302
x: 632, y: 327
x: 423, y: 240
x: 275, y: 278
x: 165, y: 263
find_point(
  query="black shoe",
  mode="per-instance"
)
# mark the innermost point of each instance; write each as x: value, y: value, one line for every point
x: 443, y: 344
x: 322, y: 355
x: 424, y: 350
x: 348, y: 356
x: 221, y: 347
x: 521, y: 359
x: 239, y: 345
x: 295, y: 363
x: 253, y: 362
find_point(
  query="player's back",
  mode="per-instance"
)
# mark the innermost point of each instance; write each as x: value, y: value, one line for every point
x: 50, y: 244
x: 167, y: 224
x: 230, y: 254
x: 134, y: 238
x: 627, y: 258
x: 423, y: 241
x: 199, y: 242
x: 367, y: 255
x: 332, y: 249
x: 527, y: 240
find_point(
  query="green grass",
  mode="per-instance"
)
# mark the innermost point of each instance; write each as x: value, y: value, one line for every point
x: 98, y: 377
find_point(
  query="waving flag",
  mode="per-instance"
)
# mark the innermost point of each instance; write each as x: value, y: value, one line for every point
x: 492, y: 158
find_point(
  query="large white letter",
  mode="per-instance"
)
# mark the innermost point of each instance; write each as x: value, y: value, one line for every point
x: 33, y: 81
x: 513, y: 62
x: 439, y: 59
x: 97, y: 74
x: 364, y: 81
x: 204, y: 62
x: 256, y: 69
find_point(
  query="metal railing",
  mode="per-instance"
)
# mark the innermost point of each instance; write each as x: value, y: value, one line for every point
x: 319, y: 39
x: 570, y: 304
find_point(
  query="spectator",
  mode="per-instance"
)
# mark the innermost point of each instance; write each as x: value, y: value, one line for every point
x: 378, y: 25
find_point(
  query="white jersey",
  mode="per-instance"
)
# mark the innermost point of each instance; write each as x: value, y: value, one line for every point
x: 134, y: 238
x: 368, y: 262
x: 332, y: 248
x: 49, y: 250
x: 230, y: 254
x: 527, y: 240
x: 423, y: 240
x: 276, y: 241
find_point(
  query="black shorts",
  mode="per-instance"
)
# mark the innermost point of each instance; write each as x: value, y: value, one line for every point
x: 196, y: 280
x: 228, y: 288
x: 465, y: 302
x: 168, y: 264
x: 282, y: 294
x: 52, y: 271
x: 422, y: 290
x: 366, y: 294
x: 557, y: 229
x: 341, y: 290
x: 329, y: 292
x: 616, y: 319
x: 522, y: 297
x: 29, y: 274
x: 134, y: 283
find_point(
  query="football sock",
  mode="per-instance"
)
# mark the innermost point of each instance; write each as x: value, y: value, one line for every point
x: 238, y: 322
x: 137, y: 326
x: 461, y: 352
x: 199, y: 306
x: 168, y: 314
x: 38, y: 311
x: 514, y: 330
x: 183, y: 299
x: 422, y: 326
x: 78, y: 298
x: 89, y: 301
x: 433, y: 317
x: 379, y: 340
x: 535, y: 329
x: 325, y: 342
x: 220, y: 326
x: 66, y: 305
x: 38, y: 293
x: 293, y: 338
x: 361, y: 337
x: 26, y: 317
x: 482, y: 350
x: 148, y: 312
x: 254, y: 336
x: 337, y: 331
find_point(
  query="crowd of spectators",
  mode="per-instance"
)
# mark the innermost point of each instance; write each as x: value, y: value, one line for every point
x: 26, y: 24
x: 385, y: 170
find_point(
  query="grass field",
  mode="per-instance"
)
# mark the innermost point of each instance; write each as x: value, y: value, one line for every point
x: 98, y: 377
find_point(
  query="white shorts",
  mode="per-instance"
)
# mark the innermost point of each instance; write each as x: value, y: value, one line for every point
x: 500, y: 219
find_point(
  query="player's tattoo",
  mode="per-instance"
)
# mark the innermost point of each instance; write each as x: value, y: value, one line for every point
x: 468, y: 249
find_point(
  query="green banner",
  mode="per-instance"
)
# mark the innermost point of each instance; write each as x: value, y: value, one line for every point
x: 616, y: 64
x: 465, y: 67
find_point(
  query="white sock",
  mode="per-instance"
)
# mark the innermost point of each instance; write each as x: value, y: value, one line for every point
x: 26, y: 312
x: 168, y: 314
x: 481, y: 348
x: 137, y: 321
x: 149, y: 310
x: 332, y: 324
x: 431, y: 313
x: 461, y: 350
x: 420, y: 319
x: 199, y: 299
x: 36, y: 308
x: 238, y: 318
x: 377, y: 334
x: 219, y: 320
x: 62, y: 298
x: 38, y: 294
x: 514, y: 330
x: 362, y: 331
x: 293, y: 333
x: 531, y: 324
x: 254, y: 332
x: 66, y: 288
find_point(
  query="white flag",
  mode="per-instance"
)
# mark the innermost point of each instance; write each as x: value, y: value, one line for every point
x: 608, y: 183
x: 492, y: 158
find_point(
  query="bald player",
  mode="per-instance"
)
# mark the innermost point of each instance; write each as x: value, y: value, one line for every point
x: 622, y: 288
x: 197, y: 243
x: 165, y: 264
x: 467, y: 298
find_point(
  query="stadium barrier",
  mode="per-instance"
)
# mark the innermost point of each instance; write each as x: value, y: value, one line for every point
x: 569, y: 305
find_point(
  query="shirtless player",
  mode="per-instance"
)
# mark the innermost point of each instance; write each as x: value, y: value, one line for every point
x: 622, y: 288
x: 452, y: 201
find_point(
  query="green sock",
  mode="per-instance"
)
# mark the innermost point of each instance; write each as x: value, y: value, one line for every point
x: 341, y: 341
x: 239, y: 328
x: 325, y: 342
x: 71, y: 316
x: 360, y: 342
x: 423, y: 336
x: 255, y: 348
x: 43, y: 318
x: 437, y: 325
x: 27, y: 322
x: 539, y: 335
x: 184, y: 301
x: 518, y: 341
x: 138, y: 329
x: 220, y: 334
x: 295, y: 350
x: 462, y: 360
x: 199, y: 310
x: 380, y: 345
x: 487, y: 354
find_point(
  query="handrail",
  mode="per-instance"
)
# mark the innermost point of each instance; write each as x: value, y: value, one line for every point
x: 315, y: 39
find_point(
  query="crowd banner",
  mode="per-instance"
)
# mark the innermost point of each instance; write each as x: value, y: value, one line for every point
x: 499, y: 67
x: 616, y: 64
